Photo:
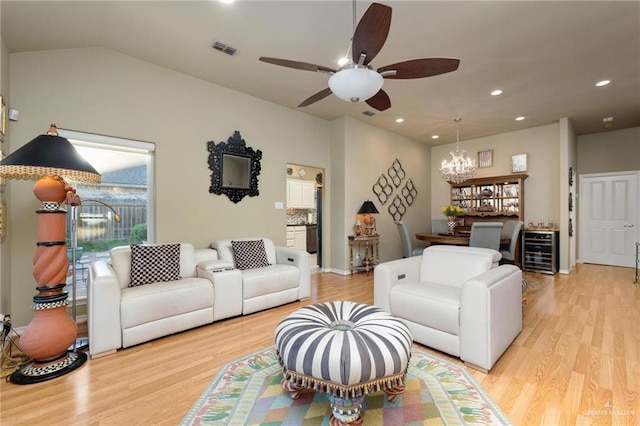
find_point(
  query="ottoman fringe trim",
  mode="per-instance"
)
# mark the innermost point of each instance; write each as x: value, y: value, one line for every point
x: 341, y: 391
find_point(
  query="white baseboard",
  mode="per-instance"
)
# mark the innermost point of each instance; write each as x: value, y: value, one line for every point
x: 80, y: 319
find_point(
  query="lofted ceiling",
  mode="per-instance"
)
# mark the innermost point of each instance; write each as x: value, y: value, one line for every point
x: 546, y: 56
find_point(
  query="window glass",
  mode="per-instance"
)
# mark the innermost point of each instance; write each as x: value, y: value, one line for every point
x: 116, y: 212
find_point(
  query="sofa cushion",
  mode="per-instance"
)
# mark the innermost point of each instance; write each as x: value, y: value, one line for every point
x: 154, y: 263
x: 121, y: 262
x: 271, y: 279
x: 249, y: 254
x: 225, y: 250
x: 432, y: 305
x: 148, y: 303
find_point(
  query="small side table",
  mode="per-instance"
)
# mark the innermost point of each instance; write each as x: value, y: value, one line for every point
x: 369, y: 244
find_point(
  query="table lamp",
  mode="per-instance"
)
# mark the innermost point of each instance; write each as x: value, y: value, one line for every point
x: 47, y: 159
x: 367, y: 209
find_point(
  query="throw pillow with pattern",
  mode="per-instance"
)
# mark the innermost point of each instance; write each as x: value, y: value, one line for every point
x: 249, y: 254
x: 154, y: 263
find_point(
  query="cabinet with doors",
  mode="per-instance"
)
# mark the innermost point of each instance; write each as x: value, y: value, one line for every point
x: 540, y: 250
x: 496, y: 198
x: 300, y: 194
x: 297, y: 237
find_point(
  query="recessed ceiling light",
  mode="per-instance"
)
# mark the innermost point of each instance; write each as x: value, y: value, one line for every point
x: 607, y: 123
x: 343, y: 61
x: 435, y: 137
x: 496, y: 92
x: 520, y: 118
x: 227, y: 1
x: 602, y: 83
x: 399, y: 120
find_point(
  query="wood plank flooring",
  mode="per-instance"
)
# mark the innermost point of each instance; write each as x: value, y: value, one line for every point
x: 576, y: 361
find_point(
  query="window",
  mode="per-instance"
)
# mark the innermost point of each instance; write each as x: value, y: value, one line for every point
x: 118, y: 211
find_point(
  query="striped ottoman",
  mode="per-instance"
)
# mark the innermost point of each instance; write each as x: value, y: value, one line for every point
x: 346, y: 350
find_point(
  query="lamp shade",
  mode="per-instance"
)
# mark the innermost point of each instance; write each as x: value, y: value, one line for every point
x: 48, y: 155
x: 368, y: 208
x: 355, y: 84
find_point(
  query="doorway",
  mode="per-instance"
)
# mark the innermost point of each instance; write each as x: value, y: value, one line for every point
x: 609, y: 204
x: 304, y: 212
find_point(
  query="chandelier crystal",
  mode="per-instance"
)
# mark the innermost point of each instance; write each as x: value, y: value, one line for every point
x: 459, y: 167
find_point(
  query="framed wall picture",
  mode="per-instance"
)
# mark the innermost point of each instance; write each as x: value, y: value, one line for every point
x: 3, y: 220
x: 2, y: 181
x: 519, y: 163
x: 570, y: 176
x: 3, y: 119
x: 485, y: 158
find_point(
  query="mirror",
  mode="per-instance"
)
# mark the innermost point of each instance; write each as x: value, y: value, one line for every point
x: 236, y: 171
x: 235, y: 168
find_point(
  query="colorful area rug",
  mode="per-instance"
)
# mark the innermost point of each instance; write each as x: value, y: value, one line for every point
x: 247, y: 392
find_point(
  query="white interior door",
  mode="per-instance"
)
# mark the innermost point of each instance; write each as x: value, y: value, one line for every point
x: 609, y: 213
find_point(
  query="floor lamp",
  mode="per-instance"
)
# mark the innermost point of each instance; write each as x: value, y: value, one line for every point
x: 47, y: 159
x: 80, y: 342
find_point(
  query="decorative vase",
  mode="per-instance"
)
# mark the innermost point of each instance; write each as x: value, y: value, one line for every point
x: 451, y: 225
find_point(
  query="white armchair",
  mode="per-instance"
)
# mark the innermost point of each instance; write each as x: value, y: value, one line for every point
x: 456, y: 300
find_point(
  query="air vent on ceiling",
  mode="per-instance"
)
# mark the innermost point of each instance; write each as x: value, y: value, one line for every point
x: 369, y: 113
x: 224, y: 48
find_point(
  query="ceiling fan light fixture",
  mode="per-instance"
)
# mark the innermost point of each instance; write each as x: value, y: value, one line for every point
x: 355, y: 84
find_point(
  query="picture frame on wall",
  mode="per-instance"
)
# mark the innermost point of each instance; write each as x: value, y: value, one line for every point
x: 2, y: 180
x: 485, y: 158
x: 519, y: 163
x: 3, y: 118
x: 3, y: 220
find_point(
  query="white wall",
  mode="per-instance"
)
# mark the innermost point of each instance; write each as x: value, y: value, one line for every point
x: 611, y: 151
x: 568, y: 159
x: 99, y: 91
x: 370, y: 152
x: 542, y: 146
x: 5, y: 260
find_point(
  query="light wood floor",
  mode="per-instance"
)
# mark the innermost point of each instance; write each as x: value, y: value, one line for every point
x: 576, y: 362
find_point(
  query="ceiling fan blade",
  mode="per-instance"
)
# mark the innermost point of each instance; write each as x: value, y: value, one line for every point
x: 419, y: 68
x: 379, y: 101
x: 371, y: 32
x: 315, y: 98
x: 297, y: 65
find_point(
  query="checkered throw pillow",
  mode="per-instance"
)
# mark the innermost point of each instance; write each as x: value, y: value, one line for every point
x: 154, y: 263
x: 249, y: 254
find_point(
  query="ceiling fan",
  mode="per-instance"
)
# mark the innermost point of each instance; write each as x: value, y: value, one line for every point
x: 357, y: 81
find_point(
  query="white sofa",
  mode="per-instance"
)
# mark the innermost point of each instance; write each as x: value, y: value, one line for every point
x: 286, y: 279
x: 456, y: 300
x: 209, y: 289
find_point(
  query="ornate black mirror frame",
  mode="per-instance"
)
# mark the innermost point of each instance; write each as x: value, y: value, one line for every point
x: 234, y: 149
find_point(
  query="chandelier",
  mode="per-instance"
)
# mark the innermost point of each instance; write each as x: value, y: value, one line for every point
x: 459, y: 167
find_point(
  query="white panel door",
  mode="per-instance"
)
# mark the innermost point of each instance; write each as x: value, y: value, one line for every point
x: 609, y: 213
